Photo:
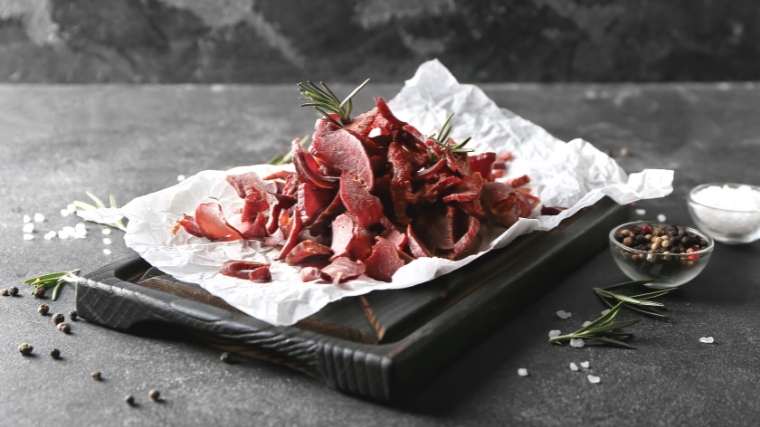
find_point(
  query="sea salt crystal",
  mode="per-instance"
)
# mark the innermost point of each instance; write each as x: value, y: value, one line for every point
x: 79, y: 233
x: 707, y: 340
x: 106, y: 241
x: 106, y: 231
x: 605, y: 311
x: 743, y: 200
x: 661, y: 218
x: 28, y: 227
x: 107, y: 251
x: 522, y: 372
x: 65, y: 213
x: 585, y: 365
x: 586, y: 323
x: 70, y: 231
x: 49, y: 235
x: 180, y: 178
x: 562, y: 314
x: 80, y: 225
x: 577, y: 343
x: 641, y: 212
x: 573, y: 366
x: 593, y: 379
x: 554, y: 333
x: 38, y: 217
x: 28, y: 236
x: 63, y: 235
x: 27, y: 219
x: 71, y: 207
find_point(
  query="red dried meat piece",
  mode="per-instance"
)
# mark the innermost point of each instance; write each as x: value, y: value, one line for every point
x: 518, y: 182
x: 432, y: 171
x: 363, y: 123
x: 499, y: 164
x: 247, y: 182
x: 274, y: 218
x: 309, y: 274
x: 255, y: 203
x: 434, y: 227
x: 432, y: 190
x: 506, y: 156
x: 308, y: 251
x: 307, y: 169
x: 401, y: 186
x: 253, y: 229
x: 482, y: 163
x: 415, y: 246
x: 326, y: 217
x: 467, y: 190
x: 528, y: 202
x: 470, y: 240
x: 342, y: 269
x: 366, y: 208
x: 342, y: 150
x: 457, y: 162
x: 501, y: 203
x: 292, y: 240
x: 275, y: 238
x: 278, y: 175
x: 384, y: 119
x: 213, y: 225
x: 384, y: 261
x: 342, y: 235
x: 396, y: 237
x: 313, y: 201
x: 188, y: 223
x: 254, y: 271
x: 551, y: 210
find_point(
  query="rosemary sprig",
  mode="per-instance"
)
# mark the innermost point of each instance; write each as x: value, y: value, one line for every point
x: 602, y: 329
x: 53, y: 280
x: 640, y: 302
x: 325, y: 101
x: 280, y: 159
x: 82, y: 206
x: 441, y: 138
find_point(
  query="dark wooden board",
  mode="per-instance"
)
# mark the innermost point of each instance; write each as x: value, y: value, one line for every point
x: 381, y: 345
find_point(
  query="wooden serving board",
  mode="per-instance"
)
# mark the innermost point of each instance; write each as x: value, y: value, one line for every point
x: 381, y: 345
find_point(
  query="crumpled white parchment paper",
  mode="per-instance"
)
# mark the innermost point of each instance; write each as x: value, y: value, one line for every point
x: 573, y: 175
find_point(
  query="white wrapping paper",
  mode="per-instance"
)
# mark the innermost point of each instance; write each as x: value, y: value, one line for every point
x: 573, y: 175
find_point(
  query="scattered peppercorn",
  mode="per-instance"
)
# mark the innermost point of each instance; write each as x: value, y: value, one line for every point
x: 73, y: 315
x: 64, y: 327
x: 624, y: 152
x: 130, y: 400
x: 57, y: 318
x: 225, y: 357
x: 4, y: 292
x: 55, y: 353
x: 39, y: 293
x: 25, y: 349
x: 43, y: 309
x: 154, y: 395
x: 13, y: 291
x: 96, y: 376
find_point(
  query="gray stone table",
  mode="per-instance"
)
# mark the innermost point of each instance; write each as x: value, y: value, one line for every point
x: 58, y: 141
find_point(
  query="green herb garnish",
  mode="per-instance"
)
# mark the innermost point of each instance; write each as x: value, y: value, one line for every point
x: 325, y: 101
x: 441, y: 140
x: 281, y: 159
x: 640, y: 302
x: 82, y: 206
x: 602, y: 329
x: 53, y: 280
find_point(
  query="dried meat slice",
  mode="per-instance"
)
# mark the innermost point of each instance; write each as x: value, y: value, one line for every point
x: 292, y: 240
x: 434, y: 227
x: 213, y: 225
x: 385, y: 120
x: 255, y: 203
x: 467, y: 190
x: 342, y: 235
x: 342, y: 150
x: 245, y: 183
x: 310, y: 274
x: 551, y: 210
x: 501, y: 203
x: 313, y: 201
x: 384, y: 261
x: 401, y: 186
x: 396, y: 237
x: 483, y: 163
x: 249, y: 270
x: 342, y: 269
x: 362, y: 124
x: 253, y: 229
x: 366, y: 208
x: 307, y: 169
x: 308, y: 251
x: 188, y: 223
x: 470, y: 241
x: 324, y: 219
x: 415, y: 246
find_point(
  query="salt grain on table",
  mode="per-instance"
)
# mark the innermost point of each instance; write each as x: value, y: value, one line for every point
x: 71, y: 207
x: 586, y: 323
x: 107, y: 251
x: 106, y: 241
x: 28, y: 236
x: 65, y: 213
x: 38, y: 217
x: 562, y: 314
x: 585, y: 365
x: 106, y: 231
x: 180, y: 178
x: 661, y: 218
x: 63, y: 235
x: 577, y: 343
x: 49, y: 235
x: 28, y: 227
x: 522, y: 372
x: 554, y: 333
x: 707, y: 340
x: 593, y: 379
x: 641, y: 212
x: 573, y: 366
x: 27, y: 219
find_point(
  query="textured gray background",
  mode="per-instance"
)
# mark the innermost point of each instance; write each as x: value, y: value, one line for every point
x: 84, y: 41
x: 56, y: 142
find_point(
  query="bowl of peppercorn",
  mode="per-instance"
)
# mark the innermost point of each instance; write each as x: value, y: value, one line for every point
x: 666, y: 254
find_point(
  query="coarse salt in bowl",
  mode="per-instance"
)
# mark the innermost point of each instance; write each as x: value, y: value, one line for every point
x: 729, y: 213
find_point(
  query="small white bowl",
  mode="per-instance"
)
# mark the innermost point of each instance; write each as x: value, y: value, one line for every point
x: 725, y: 225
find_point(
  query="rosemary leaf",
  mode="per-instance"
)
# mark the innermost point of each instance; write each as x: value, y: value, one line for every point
x: 629, y: 284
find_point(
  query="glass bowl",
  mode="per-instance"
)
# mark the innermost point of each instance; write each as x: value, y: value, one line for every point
x: 725, y: 225
x: 665, y: 270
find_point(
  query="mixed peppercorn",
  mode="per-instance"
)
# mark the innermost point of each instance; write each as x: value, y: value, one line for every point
x: 661, y: 243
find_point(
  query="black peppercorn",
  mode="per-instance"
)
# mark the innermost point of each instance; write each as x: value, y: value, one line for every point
x: 130, y: 400
x: 55, y: 353
x: 225, y: 357
x: 57, y: 318
x: 154, y: 395
x: 73, y: 315
x: 64, y: 327
x: 96, y: 376
x: 43, y: 309
x: 4, y: 292
x: 25, y: 349
x: 39, y: 293
x: 13, y: 291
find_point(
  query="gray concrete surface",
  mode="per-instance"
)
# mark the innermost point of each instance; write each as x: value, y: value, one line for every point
x: 56, y: 142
